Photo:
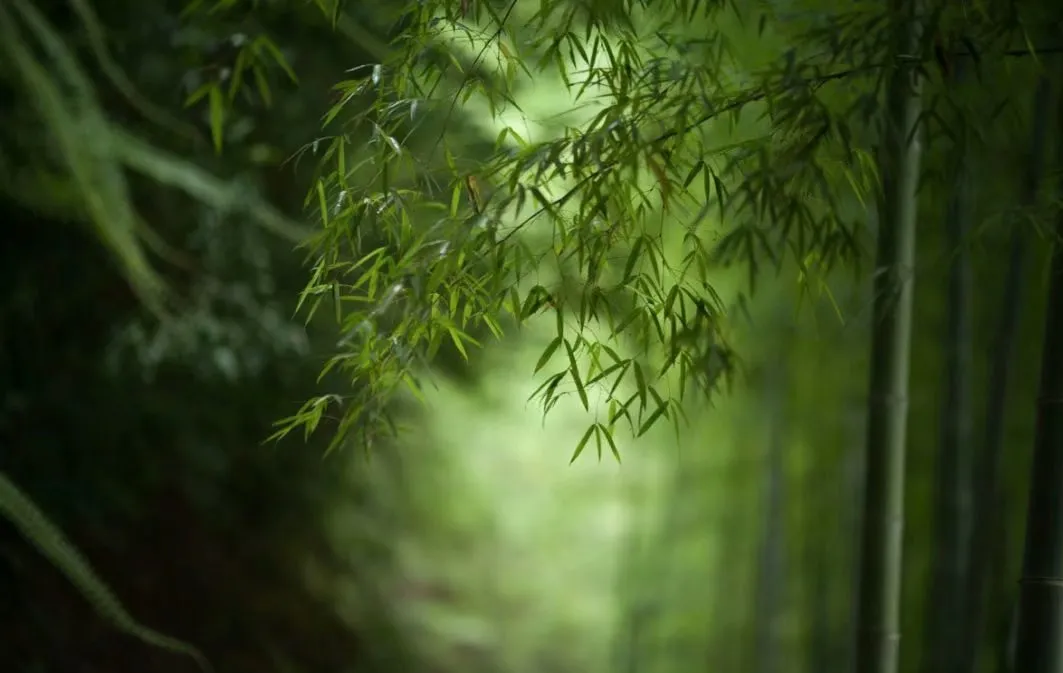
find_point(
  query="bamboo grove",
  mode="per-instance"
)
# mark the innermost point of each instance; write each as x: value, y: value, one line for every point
x: 811, y: 157
x: 860, y: 97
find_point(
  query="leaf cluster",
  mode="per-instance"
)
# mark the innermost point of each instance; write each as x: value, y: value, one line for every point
x: 687, y: 157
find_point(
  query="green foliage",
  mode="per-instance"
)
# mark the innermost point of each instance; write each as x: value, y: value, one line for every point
x: 220, y: 91
x: 674, y: 148
x: 65, y: 101
x: 64, y: 98
x: 91, y: 153
x: 51, y: 542
x: 82, y: 177
x: 695, y: 137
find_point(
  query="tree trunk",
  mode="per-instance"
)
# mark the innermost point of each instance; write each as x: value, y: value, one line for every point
x: 988, y: 505
x: 826, y: 560
x: 952, y: 505
x: 820, y: 647
x: 1039, y: 635
x: 1005, y: 652
x: 855, y: 466
x: 883, y: 514
x: 771, y: 570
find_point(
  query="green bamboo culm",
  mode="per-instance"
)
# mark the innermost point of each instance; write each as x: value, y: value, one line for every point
x: 50, y: 541
x: 878, y: 614
x: 942, y: 647
x: 990, y: 463
x: 1039, y: 636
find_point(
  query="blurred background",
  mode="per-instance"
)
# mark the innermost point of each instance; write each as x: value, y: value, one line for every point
x: 468, y: 543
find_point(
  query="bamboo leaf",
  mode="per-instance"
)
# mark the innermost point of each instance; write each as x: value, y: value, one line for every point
x: 583, y: 443
x: 548, y: 353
